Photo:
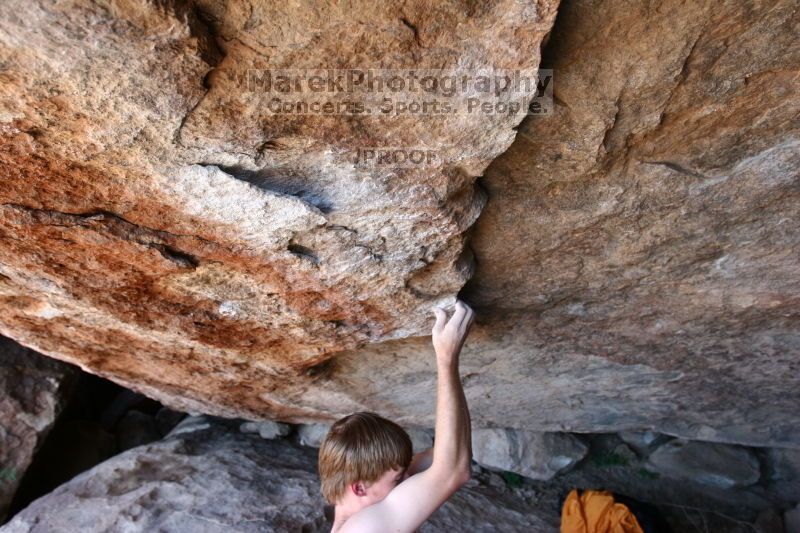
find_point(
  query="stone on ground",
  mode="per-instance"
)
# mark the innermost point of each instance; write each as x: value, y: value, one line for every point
x: 209, y: 477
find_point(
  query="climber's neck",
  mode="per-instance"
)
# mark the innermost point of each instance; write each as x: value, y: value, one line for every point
x: 340, y: 515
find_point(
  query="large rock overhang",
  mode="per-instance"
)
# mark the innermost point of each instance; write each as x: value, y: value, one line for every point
x: 162, y: 227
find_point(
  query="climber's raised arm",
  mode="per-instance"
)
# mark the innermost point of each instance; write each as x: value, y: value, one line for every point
x: 410, y: 503
x: 452, y: 446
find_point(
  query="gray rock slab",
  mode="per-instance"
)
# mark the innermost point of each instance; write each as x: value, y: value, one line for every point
x: 211, y: 478
x: 720, y: 465
x: 535, y: 455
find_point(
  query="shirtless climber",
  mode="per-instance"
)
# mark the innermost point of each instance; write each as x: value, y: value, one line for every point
x: 365, y: 462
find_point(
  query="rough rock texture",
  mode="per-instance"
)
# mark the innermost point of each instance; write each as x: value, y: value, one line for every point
x: 637, y: 259
x: 534, y: 455
x: 159, y: 226
x: 639, y: 256
x: 208, y: 477
x: 636, y: 263
x: 719, y: 465
x: 33, y: 390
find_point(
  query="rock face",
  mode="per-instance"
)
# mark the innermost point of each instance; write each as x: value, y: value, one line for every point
x: 162, y: 226
x: 201, y: 479
x: 207, y: 477
x: 719, y: 465
x: 637, y: 264
x: 534, y: 455
x: 33, y: 390
x: 638, y: 255
x: 635, y: 261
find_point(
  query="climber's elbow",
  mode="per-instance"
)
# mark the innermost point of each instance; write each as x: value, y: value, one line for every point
x: 463, y: 475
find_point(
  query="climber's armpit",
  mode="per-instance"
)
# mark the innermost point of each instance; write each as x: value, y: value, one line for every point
x: 408, y: 505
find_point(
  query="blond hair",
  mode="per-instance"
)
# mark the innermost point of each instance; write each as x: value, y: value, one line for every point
x: 362, y: 446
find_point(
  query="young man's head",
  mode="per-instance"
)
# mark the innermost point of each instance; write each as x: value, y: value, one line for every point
x: 362, y: 458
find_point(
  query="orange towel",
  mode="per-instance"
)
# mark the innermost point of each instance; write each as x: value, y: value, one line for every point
x: 595, y: 512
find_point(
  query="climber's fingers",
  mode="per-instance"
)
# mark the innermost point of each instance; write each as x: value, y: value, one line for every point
x: 460, y: 314
x: 469, y: 319
x: 441, y: 318
x: 469, y: 316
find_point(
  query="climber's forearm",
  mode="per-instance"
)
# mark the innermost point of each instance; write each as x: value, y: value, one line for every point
x: 452, y: 449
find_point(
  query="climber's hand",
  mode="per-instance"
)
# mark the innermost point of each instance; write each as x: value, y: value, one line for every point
x: 449, y: 338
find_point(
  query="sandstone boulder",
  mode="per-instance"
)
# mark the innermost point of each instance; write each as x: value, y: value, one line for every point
x: 163, y: 225
x: 634, y: 261
x: 637, y: 258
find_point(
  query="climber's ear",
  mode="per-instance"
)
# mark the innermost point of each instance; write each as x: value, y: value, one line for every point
x: 358, y: 488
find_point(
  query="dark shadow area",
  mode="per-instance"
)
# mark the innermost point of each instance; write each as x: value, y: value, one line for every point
x: 101, y: 419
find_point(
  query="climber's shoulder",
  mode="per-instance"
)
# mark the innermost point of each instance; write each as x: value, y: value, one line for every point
x: 407, y: 506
